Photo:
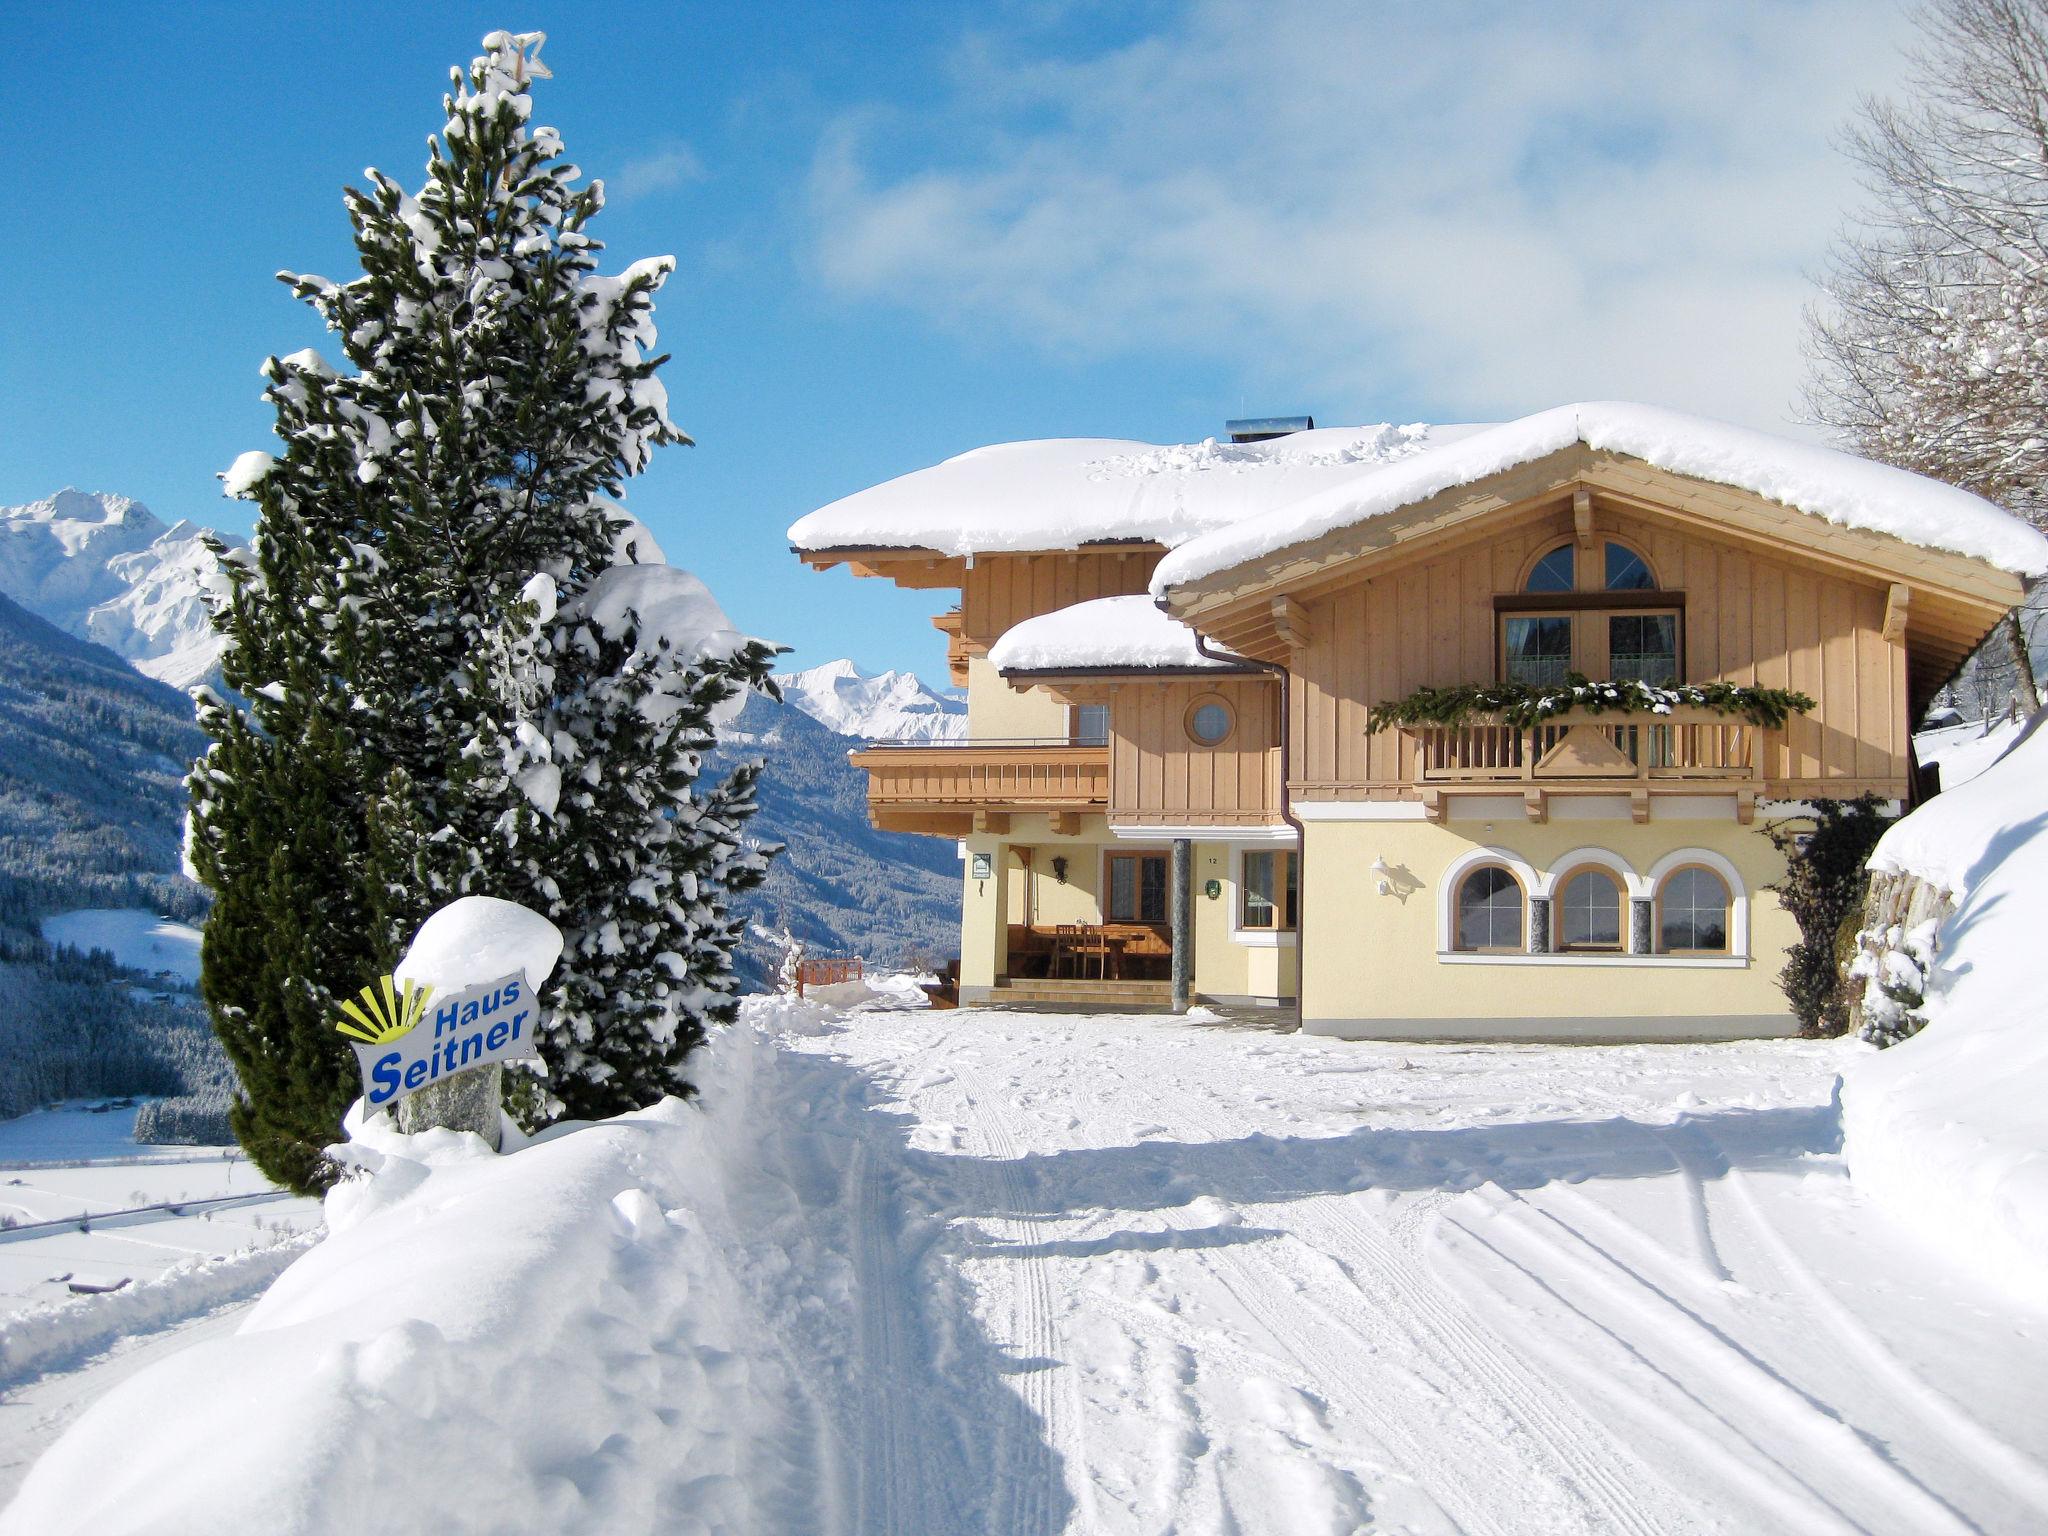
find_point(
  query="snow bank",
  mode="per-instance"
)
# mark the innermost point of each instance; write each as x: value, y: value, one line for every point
x: 1104, y: 632
x: 1839, y: 487
x: 596, y: 1333
x: 551, y: 1340
x: 62, y: 1333
x: 1946, y: 1130
x: 1063, y: 492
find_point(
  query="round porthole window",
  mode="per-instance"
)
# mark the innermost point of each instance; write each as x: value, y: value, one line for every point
x: 1210, y: 721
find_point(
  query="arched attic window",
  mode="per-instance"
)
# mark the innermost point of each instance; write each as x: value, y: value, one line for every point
x: 1620, y: 632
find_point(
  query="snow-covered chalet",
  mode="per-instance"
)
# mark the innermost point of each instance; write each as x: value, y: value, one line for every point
x: 1225, y: 741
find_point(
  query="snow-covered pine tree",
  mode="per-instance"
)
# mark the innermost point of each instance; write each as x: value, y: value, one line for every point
x: 443, y: 598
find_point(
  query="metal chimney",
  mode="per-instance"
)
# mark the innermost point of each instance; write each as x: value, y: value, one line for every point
x: 1259, y: 429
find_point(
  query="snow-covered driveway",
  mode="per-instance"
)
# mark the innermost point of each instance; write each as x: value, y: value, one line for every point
x: 1139, y: 1275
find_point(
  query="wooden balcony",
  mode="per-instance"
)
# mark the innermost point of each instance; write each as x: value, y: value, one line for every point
x: 952, y: 789
x: 1687, y: 751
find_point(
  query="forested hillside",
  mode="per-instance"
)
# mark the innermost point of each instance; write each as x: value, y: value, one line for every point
x: 92, y: 762
x: 839, y: 885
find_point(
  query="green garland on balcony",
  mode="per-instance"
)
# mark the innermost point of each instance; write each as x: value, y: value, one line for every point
x: 1527, y: 704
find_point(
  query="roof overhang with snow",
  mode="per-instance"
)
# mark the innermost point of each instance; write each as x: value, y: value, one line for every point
x: 1107, y: 638
x: 1961, y: 561
x: 1084, y: 494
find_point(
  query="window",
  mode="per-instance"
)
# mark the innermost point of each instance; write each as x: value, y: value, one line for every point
x: 1489, y: 911
x: 1692, y: 912
x: 1589, y: 911
x: 1210, y: 721
x: 1553, y: 573
x: 1088, y: 725
x: 1270, y: 897
x: 1137, y: 888
x: 1642, y: 647
x: 1628, y: 571
x: 1538, y: 649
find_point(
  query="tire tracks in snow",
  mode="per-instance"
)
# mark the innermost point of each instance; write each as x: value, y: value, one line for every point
x: 1676, y: 1319
x: 1589, y: 1481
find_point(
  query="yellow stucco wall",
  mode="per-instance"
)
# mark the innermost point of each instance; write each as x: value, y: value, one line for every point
x: 1374, y: 967
x: 998, y: 712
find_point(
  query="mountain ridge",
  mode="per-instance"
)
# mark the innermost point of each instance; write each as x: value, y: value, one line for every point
x: 103, y: 567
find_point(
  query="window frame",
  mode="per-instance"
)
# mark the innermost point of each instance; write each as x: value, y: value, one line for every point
x: 1137, y: 856
x: 1075, y: 737
x: 1664, y: 880
x: 1287, y: 874
x: 1560, y: 883
x: 1456, y: 935
x: 1203, y: 701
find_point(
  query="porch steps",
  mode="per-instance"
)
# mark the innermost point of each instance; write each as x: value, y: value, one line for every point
x: 1083, y: 993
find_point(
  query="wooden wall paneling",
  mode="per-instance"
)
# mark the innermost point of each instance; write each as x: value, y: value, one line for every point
x: 1802, y: 651
x: 1345, y: 734
x: 1838, y: 719
x: 1382, y: 669
x: 1873, y: 685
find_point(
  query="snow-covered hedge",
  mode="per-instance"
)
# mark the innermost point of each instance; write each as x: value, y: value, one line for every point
x: 555, y: 1339
x: 1946, y: 1128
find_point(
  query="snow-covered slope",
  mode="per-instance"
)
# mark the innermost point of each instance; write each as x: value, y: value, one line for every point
x: 1946, y: 1129
x: 107, y: 569
x: 567, y: 1339
x: 1964, y: 751
x: 885, y: 706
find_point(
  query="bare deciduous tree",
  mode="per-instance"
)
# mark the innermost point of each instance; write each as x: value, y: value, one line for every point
x: 1930, y: 345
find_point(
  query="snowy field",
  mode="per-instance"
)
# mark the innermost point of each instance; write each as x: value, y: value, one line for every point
x: 1124, y: 1274
x: 136, y: 937
x: 911, y: 1271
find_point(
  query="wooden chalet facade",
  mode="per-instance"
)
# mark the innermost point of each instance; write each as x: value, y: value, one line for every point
x: 1229, y: 807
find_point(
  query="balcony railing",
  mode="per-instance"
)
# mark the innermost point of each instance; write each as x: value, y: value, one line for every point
x: 928, y: 786
x: 1685, y: 744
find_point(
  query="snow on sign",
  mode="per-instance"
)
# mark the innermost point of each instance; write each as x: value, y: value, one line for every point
x: 490, y: 1022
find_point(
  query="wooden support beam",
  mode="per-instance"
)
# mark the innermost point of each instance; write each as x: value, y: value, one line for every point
x: 1896, y: 604
x: 1536, y: 805
x: 1639, y: 806
x: 1745, y: 806
x: 1582, y: 517
x: 991, y: 821
x: 1065, y: 823
x: 1290, y: 623
x: 1432, y: 805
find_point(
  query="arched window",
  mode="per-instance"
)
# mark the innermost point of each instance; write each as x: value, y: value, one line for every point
x: 1553, y: 573
x: 1489, y: 911
x: 1692, y: 912
x: 1589, y: 911
x: 1628, y: 571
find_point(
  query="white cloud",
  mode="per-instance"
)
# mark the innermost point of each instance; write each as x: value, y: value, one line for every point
x: 1489, y: 209
x: 661, y: 170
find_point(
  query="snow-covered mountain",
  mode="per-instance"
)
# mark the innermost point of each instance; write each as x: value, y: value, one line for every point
x: 885, y: 706
x: 107, y: 569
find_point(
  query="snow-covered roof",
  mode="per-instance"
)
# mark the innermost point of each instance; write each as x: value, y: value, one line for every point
x: 1838, y: 487
x: 1061, y: 493
x: 1113, y: 632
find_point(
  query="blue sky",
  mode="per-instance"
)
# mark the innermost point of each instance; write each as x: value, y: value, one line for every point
x: 904, y: 231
